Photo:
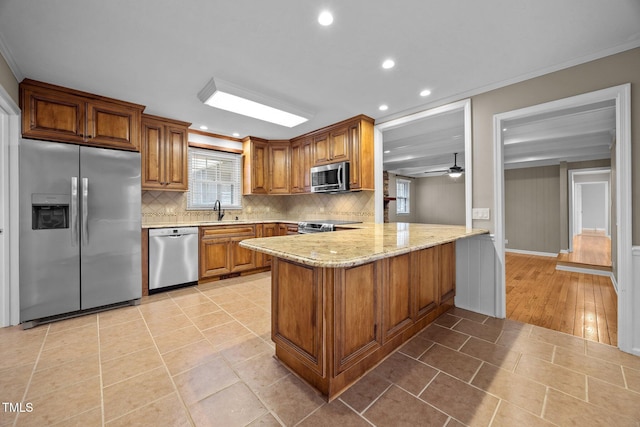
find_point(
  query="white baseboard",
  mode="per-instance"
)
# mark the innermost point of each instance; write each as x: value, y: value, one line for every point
x: 564, y: 251
x: 585, y: 271
x: 520, y: 251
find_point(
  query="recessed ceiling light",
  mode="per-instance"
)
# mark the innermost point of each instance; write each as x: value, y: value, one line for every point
x: 386, y: 151
x: 425, y: 92
x: 388, y: 63
x: 236, y: 134
x: 504, y: 129
x: 203, y: 127
x: 383, y: 107
x: 325, y: 18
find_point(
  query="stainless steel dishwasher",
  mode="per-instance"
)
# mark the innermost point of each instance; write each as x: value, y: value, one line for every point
x: 173, y: 257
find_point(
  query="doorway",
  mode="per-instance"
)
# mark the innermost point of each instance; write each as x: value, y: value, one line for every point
x: 9, y: 133
x: 590, y: 213
x: 396, y: 125
x: 620, y: 96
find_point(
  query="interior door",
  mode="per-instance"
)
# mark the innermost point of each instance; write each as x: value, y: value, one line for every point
x: 111, y: 226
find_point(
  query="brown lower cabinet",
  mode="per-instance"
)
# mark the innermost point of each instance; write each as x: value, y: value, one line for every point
x: 220, y: 252
x: 331, y: 325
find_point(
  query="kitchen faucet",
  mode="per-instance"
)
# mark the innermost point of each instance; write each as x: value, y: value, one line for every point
x: 217, y: 207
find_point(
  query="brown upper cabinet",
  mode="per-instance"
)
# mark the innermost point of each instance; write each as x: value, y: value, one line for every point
x: 55, y: 113
x: 164, y: 154
x: 255, y: 165
x: 331, y: 146
x: 279, y: 167
x: 301, y: 158
x: 350, y: 140
x: 283, y: 167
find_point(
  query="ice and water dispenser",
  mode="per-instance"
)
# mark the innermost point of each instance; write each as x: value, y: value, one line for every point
x: 49, y: 211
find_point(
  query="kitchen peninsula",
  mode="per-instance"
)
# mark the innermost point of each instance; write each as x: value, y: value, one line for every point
x: 342, y: 301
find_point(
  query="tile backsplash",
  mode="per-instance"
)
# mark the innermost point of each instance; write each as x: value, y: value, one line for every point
x: 171, y: 207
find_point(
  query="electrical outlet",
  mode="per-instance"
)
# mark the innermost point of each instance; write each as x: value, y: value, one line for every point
x: 481, y: 213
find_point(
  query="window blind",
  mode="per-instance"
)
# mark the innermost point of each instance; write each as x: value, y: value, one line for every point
x: 214, y: 175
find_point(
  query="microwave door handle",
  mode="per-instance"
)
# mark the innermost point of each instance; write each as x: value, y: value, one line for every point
x: 85, y: 211
x: 74, y: 210
x: 340, y: 176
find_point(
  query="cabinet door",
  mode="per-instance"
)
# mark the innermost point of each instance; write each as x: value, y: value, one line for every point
x: 357, y: 314
x: 259, y: 168
x: 397, y: 296
x: 52, y: 115
x: 152, y: 150
x: 424, y: 267
x: 339, y: 144
x: 241, y: 258
x: 282, y: 229
x: 447, y: 271
x: 113, y: 125
x: 214, y: 257
x: 321, y: 154
x: 176, y: 152
x: 268, y: 230
x: 279, y: 170
x: 355, y: 171
x: 306, y: 159
x: 296, y: 169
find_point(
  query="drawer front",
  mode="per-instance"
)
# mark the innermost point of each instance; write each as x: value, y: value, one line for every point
x: 214, y: 232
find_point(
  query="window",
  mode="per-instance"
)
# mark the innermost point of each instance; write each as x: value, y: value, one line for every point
x: 214, y: 175
x: 402, y: 196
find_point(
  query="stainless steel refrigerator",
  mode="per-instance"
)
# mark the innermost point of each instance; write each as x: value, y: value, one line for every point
x: 79, y: 228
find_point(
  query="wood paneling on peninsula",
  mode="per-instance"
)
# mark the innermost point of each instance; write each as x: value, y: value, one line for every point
x: 342, y: 301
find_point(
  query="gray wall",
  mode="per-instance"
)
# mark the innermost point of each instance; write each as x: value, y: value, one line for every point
x: 594, y: 202
x: 532, y: 209
x: 537, y: 208
x: 440, y: 200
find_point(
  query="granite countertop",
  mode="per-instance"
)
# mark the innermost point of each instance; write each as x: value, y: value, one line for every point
x: 363, y: 243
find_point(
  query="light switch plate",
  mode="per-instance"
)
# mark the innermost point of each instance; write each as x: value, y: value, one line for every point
x: 481, y: 213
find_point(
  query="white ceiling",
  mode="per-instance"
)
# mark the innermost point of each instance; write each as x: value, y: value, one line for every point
x: 160, y: 53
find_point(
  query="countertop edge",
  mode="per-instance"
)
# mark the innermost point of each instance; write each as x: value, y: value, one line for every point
x: 352, y: 262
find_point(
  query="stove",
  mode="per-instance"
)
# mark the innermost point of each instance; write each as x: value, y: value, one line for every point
x: 321, y: 226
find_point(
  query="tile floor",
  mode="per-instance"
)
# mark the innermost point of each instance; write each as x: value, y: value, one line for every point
x: 202, y: 356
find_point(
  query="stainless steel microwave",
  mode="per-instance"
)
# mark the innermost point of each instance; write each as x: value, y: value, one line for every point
x: 331, y: 178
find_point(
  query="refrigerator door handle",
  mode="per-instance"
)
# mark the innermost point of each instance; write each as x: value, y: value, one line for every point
x: 85, y: 211
x: 74, y: 210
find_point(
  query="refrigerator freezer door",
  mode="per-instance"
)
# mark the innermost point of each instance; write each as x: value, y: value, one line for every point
x: 111, y: 245
x: 49, y: 254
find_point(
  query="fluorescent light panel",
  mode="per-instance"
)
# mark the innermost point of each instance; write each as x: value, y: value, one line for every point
x: 226, y: 96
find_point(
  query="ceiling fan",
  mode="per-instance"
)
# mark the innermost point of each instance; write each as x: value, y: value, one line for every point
x: 454, y: 171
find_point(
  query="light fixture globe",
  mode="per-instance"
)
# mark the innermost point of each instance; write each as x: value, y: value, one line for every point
x: 455, y: 171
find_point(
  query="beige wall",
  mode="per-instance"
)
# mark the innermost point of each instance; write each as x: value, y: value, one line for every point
x: 440, y: 200
x: 603, y: 73
x: 8, y: 81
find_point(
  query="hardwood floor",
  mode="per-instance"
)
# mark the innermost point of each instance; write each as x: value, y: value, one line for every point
x: 579, y: 304
x: 591, y: 248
